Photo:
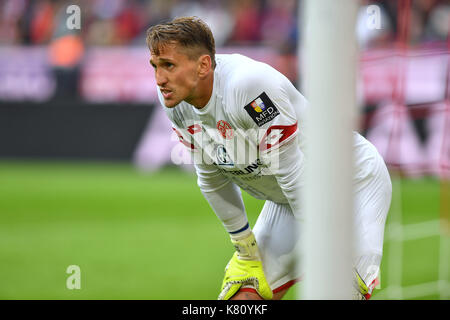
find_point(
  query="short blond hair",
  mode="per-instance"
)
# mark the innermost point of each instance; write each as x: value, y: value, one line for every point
x: 189, y: 32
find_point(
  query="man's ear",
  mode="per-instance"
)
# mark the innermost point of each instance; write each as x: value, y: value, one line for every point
x: 204, y: 66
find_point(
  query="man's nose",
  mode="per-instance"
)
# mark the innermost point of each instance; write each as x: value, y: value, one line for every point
x: 161, y: 79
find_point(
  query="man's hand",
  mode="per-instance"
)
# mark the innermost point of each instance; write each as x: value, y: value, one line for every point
x: 245, y: 268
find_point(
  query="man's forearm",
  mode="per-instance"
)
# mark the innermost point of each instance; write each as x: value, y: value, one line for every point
x: 228, y: 206
x: 224, y: 197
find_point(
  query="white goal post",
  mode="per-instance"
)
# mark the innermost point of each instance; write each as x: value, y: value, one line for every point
x: 329, y: 56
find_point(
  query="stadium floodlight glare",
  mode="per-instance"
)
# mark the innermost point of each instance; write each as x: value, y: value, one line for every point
x: 329, y: 56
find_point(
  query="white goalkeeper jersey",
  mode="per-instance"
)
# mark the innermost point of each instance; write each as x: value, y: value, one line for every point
x: 250, y: 135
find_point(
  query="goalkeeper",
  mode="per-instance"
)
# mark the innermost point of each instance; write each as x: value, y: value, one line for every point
x: 244, y: 123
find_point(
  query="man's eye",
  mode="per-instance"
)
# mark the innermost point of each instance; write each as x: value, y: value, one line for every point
x: 169, y: 65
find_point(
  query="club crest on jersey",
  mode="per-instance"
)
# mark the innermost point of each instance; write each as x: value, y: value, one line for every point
x: 225, y: 129
x: 262, y: 109
x: 223, y: 159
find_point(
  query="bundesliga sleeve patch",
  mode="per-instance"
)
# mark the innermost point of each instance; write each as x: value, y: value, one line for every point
x: 262, y: 109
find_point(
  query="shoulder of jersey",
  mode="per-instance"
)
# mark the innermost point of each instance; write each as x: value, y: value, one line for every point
x: 237, y: 65
x: 237, y: 73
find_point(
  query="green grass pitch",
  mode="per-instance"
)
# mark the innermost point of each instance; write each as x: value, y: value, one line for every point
x: 138, y: 235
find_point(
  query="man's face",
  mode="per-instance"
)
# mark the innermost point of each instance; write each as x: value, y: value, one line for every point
x: 176, y: 74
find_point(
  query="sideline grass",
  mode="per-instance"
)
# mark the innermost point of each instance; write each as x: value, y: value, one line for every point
x: 136, y: 235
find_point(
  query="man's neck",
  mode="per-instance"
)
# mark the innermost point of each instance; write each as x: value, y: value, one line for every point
x: 204, y: 92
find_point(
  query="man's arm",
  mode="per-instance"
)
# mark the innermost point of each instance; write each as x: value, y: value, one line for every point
x: 280, y: 125
x: 224, y: 197
x: 287, y: 165
x: 245, y: 267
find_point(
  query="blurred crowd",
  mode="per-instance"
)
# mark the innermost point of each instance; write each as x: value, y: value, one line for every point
x: 43, y: 56
x: 235, y: 22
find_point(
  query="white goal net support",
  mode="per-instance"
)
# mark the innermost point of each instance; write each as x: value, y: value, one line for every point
x: 324, y: 39
x: 330, y: 57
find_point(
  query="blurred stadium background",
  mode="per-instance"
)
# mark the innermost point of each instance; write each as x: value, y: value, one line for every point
x: 89, y: 169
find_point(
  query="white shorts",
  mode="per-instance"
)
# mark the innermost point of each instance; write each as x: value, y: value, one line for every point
x: 276, y: 231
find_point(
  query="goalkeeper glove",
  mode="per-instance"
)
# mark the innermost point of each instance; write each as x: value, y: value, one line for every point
x: 245, y: 268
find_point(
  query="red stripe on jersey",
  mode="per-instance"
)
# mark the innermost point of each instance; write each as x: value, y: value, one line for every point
x: 275, y: 135
x: 182, y: 140
x: 374, y: 283
x: 285, y: 286
x: 195, y: 128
